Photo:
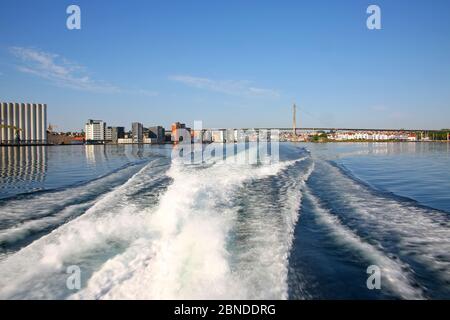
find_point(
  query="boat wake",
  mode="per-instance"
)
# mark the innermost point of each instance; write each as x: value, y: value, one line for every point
x: 393, y: 231
x: 185, y: 242
x: 226, y: 230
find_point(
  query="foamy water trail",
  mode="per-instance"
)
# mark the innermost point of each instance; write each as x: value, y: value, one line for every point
x: 394, y: 273
x: 24, y: 229
x: 184, y: 255
x: 35, y: 213
x: 113, y: 222
x: 127, y: 247
x: 264, y: 236
x: 422, y: 234
x: 225, y: 230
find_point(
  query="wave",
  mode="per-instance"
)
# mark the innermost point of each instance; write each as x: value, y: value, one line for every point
x: 14, y: 209
x: 262, y: 239
x: 383, y: 193
x: 129, y: 244
x: 393, y: 272
x: 24, y: 219
x: 417, y: 234
x: 38, y: 270
x: 184, y: 255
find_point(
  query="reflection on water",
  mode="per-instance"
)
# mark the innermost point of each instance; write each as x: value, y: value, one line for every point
x: 22, y: 164
x: 343, y: 150
x: 33, y: 168
x: 302, y: 228
x: 418, y: 171
x: 101, y: 153
x: 413, y: 147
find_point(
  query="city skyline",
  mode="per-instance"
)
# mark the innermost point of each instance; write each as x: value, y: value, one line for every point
x: 229, y: 67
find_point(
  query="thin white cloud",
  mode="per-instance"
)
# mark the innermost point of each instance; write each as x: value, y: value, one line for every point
x: 64, y: 73
x: 232, y: 87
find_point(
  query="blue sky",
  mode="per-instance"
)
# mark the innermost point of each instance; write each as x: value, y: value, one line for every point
x: 230, y: 63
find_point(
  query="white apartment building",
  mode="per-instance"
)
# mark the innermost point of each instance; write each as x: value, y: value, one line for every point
x: 108, y: 134
x: 23, y: 123
x: 95, y: 130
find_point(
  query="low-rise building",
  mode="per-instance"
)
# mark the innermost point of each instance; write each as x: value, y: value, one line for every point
x: 207, y: 136
x: 218, y: 136
x: 125, y: 141
x: 368, y: 136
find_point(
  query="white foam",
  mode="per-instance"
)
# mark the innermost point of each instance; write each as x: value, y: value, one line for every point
x: 399, y: 281
x: 267, y: 228
x: 185, y: 255
x: 175, y: 250
x: 22, y: 230
x: 422, y: 233
x: 24, y: 216
x: 37, y: 271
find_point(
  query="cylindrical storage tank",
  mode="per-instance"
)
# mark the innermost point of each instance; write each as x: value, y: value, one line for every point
x: 16, y: 121
x: 22, y: 121
x: 28, y: 123
x: 44, y: 123
x: 1, y: 122
x: 10, y: 120
x: 39, y: 123
x: 33, y: 122
x: 3, y: 131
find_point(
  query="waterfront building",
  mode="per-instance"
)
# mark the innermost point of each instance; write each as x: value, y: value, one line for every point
x: 108, y: 134
x: 207, y: 136
x: 218, y: 136
x: 23, y: 123
x: 125, y: 141
x: 197, y: 136
x: 177, y: 132
x: 95, y: 130
x: 55, y: 138
x: 137, y: 132
x: 157, y: 133
x: 117, y: 133
x: 369, y: 136
x: 231, y: 136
